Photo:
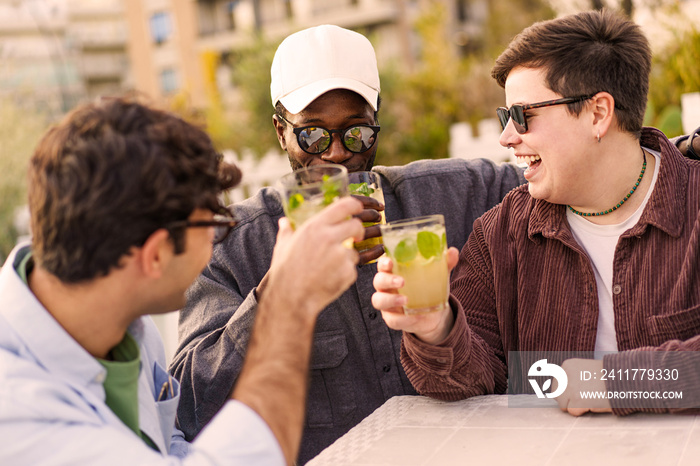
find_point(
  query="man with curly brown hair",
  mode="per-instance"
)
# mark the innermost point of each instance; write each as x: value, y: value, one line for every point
x: 124, y: 203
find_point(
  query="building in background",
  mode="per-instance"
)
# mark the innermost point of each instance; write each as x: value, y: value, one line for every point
x: 184, y: 45
x: 96, y: 31
x: 56, y: 53
x: 38, y: 69
x: 163, y: 48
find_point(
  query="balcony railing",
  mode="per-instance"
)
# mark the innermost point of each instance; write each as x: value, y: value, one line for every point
x: 103, y: 67
x: 100, y: 9
x: 106, y: 38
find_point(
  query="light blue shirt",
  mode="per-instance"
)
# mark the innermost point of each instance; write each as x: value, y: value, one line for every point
x: 52, y: 401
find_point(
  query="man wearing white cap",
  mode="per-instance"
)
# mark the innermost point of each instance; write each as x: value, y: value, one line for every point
x: 325, y: 83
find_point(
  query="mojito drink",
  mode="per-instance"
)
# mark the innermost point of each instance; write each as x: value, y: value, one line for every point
x: 307, y: 191
x: 418, y: 249
x: 302, y: 209
x: 367, y: 184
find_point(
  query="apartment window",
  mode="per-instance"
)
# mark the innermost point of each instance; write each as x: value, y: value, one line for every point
x: 231, y: 15
x: 168, y: 81
x: 160, y: 27
x: 462, y: 11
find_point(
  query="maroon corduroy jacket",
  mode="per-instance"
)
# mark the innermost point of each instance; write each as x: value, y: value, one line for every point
x: 524, y: 284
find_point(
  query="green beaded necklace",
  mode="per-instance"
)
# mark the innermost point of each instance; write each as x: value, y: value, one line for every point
x: 619, y: 204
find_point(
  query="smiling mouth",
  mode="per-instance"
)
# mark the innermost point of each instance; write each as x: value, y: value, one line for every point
x: 529, y: 160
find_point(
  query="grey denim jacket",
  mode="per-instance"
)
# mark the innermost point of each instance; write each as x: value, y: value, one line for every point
x: 355, y: 364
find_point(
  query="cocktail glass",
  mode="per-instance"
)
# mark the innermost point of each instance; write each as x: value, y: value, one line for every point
x: 306, y: 191
x: 418, y: 249
x: 367, y: 184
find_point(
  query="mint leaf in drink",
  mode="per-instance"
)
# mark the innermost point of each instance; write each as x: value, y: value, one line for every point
x: 295, y: 200
x: 362, y: 189
x: 405, y: 251
x: 330, y: 189
x: 429, y: 244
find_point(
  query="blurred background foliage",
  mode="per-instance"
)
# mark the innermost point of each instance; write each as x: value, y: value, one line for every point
x: 675, y: 71
x: 446, y: 85
x: 419, y: 103
x: 20, y: 130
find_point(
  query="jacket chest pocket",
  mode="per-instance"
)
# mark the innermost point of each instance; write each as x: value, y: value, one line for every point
x: 331, y: 399
x: 678, y: 325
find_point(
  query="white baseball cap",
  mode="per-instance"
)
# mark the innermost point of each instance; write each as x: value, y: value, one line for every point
x: 314, y: 61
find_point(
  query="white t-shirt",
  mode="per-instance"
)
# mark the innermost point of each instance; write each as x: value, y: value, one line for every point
x: 599, y: 242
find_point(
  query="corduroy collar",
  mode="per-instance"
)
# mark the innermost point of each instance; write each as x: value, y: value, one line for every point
x: 665, y: 209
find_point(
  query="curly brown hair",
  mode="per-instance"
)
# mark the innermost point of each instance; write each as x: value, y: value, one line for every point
x: 585, y: 53
x: 109, y: 175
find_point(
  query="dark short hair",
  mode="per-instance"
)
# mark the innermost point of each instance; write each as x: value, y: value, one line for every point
x: 110, y: 174
x: 583, y: 54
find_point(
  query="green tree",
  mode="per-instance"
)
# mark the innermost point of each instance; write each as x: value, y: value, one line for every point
x: 625, y: 6
x: 420, y: 105
x: 506, y: 18
x: 246, y: 126
x: 450, y: 83
x: 251, y: 74
x: 20, y: 130
x: 675, y: 71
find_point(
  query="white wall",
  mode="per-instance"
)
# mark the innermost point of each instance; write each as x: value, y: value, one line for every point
x: 464, y: 144
x: 690, y: 103
x: 167, y: 325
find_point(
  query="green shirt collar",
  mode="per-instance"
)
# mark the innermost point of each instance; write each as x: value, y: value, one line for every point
x: 122, y: 384
x: 24, y: 264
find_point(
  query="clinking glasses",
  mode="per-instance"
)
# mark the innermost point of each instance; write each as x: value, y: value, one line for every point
x: 314, y: 139
x: 517, y: 112
x: 222, y: 226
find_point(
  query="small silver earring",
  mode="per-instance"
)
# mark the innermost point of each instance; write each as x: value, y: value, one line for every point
x: 599, y: 137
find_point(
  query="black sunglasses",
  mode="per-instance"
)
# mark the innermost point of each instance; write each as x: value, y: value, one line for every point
x: 517, y: 112
x: 222, y: 226
x: 315, y: 140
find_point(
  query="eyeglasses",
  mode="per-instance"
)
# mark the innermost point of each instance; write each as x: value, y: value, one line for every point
x: 315, y: 140
x: 222, y: 226
x: 517, y: 112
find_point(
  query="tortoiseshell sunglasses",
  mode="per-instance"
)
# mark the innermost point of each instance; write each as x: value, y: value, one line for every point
x: 517, y: 112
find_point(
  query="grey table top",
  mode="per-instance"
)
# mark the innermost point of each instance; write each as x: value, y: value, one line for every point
x: 415, y: 430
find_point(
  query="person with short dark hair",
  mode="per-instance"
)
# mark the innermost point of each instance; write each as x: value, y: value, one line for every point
x: 598, y: 253
x: 125, y: 204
